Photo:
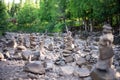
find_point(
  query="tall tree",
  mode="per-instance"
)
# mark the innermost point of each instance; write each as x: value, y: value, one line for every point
x: 3, y: 17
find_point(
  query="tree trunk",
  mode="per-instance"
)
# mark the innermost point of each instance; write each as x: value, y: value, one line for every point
x: 85, y: 24
x: 91, y: 25
x: 79, y: 24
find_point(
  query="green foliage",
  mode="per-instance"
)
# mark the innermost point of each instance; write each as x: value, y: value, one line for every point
x: 52, y: 15
x: 3, y: 17
x: 27, y: 15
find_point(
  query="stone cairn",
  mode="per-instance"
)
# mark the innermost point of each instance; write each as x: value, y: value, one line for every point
x: 69, y: 47
x: 103, y: 69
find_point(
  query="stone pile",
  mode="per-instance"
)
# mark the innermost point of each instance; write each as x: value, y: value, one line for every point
x: 103, y: 69
x: 69, y: 48
x: 50, y: 57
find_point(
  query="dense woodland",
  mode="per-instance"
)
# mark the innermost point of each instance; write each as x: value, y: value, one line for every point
x: 55, y: 15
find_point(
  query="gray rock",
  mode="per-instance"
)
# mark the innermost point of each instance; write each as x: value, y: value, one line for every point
x: 27, y: 41
x: 88, y: 78
x: 49, y: 65
x: 10, y: 44
x: 67, y: 51
x: 102, y: 75
x: 60, y: 61
x: 82, y: 72
x: 88, y: 57
x: 69, y: 59
x: 26, y: 54
x: 95, y: 53
x: 20, y: 48
x: 87, y: 50
x: 67, y: 70
x: 36, y: 55
x: 66, y: 54
x: 35, y: 67
x: 81, y: 61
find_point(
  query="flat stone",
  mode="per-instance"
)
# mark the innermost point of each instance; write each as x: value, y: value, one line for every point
x: 87, y: 50
x: 81, y: 72
x: 35, y: 67
x: 88, y: 78
x: 21, y: 48
x: 67, y: 70
x: 102, y: 75
x: 69, y: 59
x: 66, y: 54
x: 69, y: 48
x: 66, y: 51
x: 80, y: 61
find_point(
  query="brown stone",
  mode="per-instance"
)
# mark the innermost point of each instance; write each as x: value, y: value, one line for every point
x: 106, y: 53
x: 102, y: 75
x: 1, y: 56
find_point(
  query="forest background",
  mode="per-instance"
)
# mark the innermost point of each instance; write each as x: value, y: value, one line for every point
x: 55, y: 15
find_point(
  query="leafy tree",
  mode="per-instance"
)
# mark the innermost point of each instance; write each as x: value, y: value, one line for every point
x: 3, y: 17
x: 27, y: 15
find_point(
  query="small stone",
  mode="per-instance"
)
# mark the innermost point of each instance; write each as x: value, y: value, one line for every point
x: 21, y: 48
x: 7, y: 54
x: 88, y: 78
x: 86, y: 50
x: 1, y: 56
x: 66, y: 54
x: 69, y: 59
x: 67, y: 70
x: 66, y: 51
x: 82, y: 72
x: 49, y: 65
x: 80, y: 61
x: 88, y: 57
x: 26, y: 54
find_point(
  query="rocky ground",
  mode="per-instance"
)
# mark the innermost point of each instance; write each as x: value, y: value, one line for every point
x: 45, y: 57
